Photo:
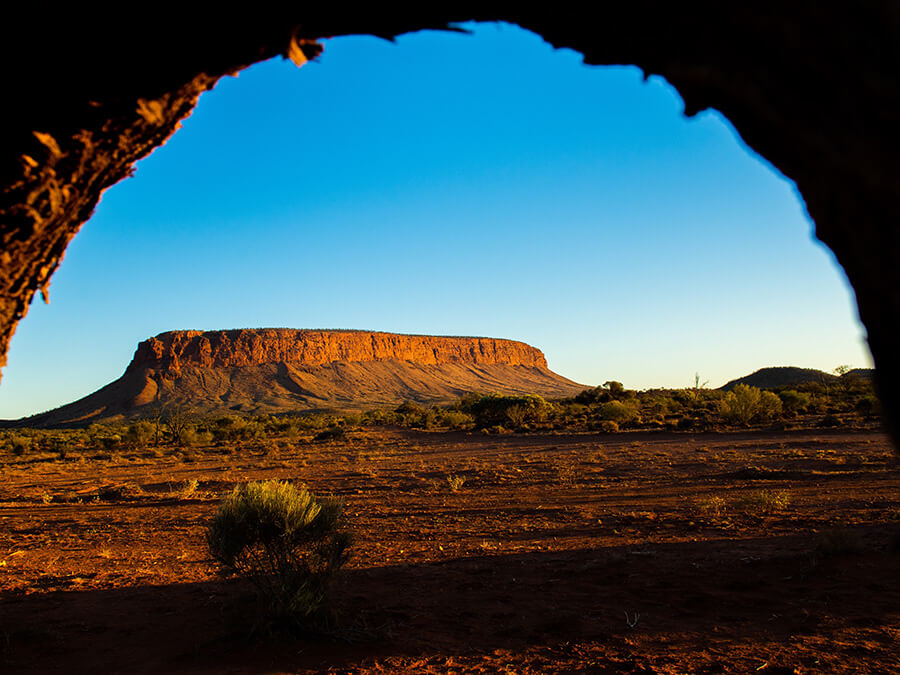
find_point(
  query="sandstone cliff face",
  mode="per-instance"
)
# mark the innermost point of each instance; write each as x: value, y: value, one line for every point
x: 279, y: 370
x: 168, y: 352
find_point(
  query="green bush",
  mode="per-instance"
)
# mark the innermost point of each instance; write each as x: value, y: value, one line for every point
x: 764, y: 501
x: 19, y: 445
x: 455, y: 482
x: 745, y: 404
x: 618, y: 412
x: 286, y: 541
x: 595, y: 395
x: 139, y: 434
x: 455, y: 419
x: 609, y: 427
x: 411, y: 414
x: 740, y: 404
x: 192, y: 436
x: 609, y: 391
x: 495, y: 410
x: 794, y: 400
x: 769, y: 406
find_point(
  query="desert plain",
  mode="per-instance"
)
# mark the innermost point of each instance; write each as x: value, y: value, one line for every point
x: 772, y: 551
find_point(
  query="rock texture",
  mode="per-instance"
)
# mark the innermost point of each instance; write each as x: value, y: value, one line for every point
x: 281, y: 370
x: 170, y: 351
x: 813, y: 87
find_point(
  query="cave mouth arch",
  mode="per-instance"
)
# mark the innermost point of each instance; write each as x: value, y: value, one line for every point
x: 73, y: 136
x: 508, y: 186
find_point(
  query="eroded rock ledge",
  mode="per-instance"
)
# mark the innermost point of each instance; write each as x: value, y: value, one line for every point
x: 281, y: 370
x: 249, y: 347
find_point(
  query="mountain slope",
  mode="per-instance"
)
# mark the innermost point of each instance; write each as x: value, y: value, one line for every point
x: 284, y: 370
x: 780, y: 376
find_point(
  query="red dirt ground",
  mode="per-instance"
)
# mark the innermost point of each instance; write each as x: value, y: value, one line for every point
x: 773, y: 552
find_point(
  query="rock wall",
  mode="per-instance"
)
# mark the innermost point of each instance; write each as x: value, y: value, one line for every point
x: 237, y: 348
x: 278, y: 370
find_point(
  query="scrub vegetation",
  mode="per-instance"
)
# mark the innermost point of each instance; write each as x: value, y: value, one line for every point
x: 497, y: 533
x: 850, y: 401
x: 290, y: 544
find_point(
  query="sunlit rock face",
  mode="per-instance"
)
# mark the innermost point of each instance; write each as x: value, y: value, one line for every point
x: 812, y: 87
x: 279, y: 370
x: 240, y: 348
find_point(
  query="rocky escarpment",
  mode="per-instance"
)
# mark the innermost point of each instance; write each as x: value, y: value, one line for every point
x: 282, y: 370
x: 240, y: 348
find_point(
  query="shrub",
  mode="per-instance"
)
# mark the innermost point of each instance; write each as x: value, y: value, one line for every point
x: 614, y: 388
x: 829, y: 420
x: 188, y: 488
x: 455, y: 482
x: 609, y: 391
x: 764, y: 501
x: 190, y: 435
x: 411, y: 414
x: 769, y: 406
x: 454, y: 419
x: 139, y: 434
x: 713, y: 506
x: 517, y: 415
x: 686, y: 423
x: 745, y: 404
x: 19, y: 445
x: 609, y: 427
x: 617, y: 411
x: 331, y: 434
x: 595, y: 395
x: 794, y: 400
x: 286, y: 541
x: 494, y: 410
x: 740, y: 404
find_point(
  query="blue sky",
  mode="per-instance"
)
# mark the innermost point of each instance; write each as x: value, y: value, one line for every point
x: 450, y: 184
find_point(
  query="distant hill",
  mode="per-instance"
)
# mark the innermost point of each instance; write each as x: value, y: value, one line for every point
x: 270, y: 371
x: 781, y: 376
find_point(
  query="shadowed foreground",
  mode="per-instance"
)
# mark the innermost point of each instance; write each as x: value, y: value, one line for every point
x: 728, y: 552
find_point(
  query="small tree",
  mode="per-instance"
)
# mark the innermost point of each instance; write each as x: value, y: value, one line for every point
x: 845, y: 378
x: 769, y: 406
x: 139, y: 433
x: 288, y: 543
x: 616, y: 389
x: 745, y: 404
x: 517, y: 415
x: 740, y: 404
x: 794, y: 400
x: 178, y: 420
x: 617, y: 412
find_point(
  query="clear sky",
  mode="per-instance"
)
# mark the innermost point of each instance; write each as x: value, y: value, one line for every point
x: 456, y: 185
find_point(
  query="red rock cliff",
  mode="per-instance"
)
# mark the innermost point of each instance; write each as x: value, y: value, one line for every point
x: 316, y: 347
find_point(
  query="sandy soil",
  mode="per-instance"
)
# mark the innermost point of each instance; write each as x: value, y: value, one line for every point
x: 626, y: 553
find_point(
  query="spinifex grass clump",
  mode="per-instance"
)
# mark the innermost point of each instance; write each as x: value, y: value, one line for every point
x: 288, y: 543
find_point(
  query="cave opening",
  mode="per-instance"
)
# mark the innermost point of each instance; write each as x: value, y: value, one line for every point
x: 377, y: 188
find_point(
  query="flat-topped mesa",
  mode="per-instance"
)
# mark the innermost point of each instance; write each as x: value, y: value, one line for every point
x: 271, y: 371
x: 239, y: 348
